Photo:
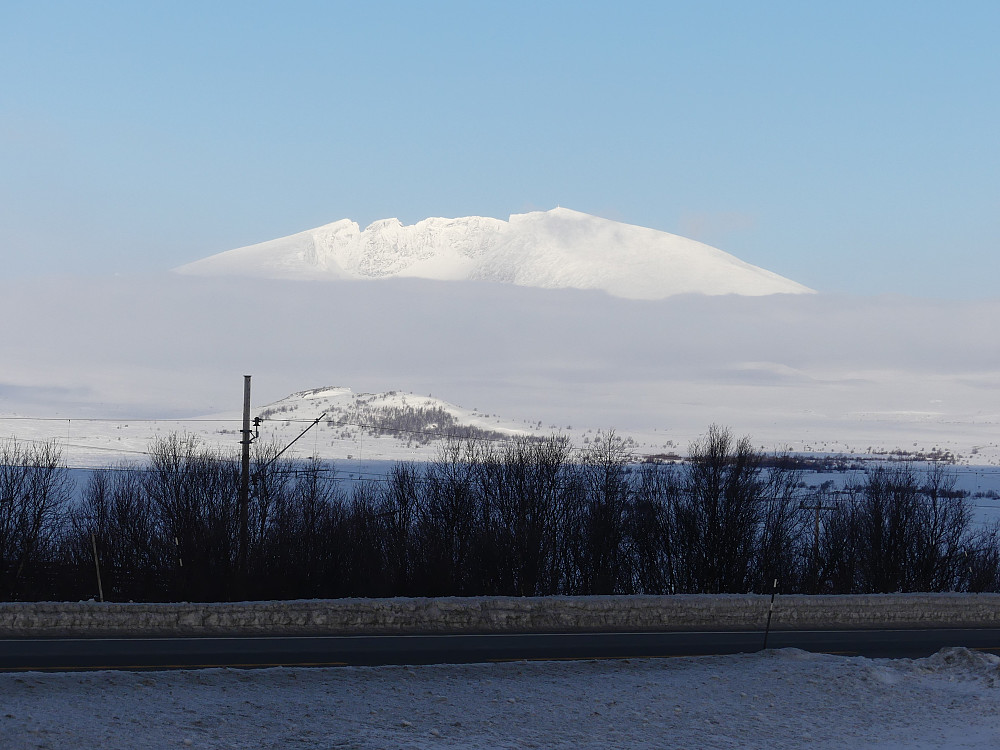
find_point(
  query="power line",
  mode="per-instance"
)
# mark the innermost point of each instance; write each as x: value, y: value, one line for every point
x: 637, y: 456
x: 143, y: 420
x: 356, y: 476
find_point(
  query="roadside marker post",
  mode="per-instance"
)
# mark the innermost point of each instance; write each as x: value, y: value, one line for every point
x: 770, y: 610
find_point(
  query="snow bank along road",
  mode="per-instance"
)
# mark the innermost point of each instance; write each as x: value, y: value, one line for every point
x: 782, y: 700
x: 379, y: 631
x: 500, y: 614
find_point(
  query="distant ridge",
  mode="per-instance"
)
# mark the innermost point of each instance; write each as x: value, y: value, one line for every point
x: 560, y: 248
x: 404, y: 417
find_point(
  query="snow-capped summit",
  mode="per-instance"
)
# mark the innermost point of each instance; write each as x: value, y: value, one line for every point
x: 560, y: 248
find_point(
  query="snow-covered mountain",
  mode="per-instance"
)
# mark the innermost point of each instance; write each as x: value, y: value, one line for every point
x: 553, y: 249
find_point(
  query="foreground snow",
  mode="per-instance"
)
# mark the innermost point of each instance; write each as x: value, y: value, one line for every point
x: 777, y: 699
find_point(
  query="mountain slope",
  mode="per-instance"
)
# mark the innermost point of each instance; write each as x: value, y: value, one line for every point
x: 404, y: 417
x: 553, y: 249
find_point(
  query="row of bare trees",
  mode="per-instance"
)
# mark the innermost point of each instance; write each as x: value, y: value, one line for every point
x: 524, y: 517
x: 35, y: 492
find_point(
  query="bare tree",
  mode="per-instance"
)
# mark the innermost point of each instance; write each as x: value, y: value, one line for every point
x: 35, y: 490
x: 448, y: 531
x: 601, y: 534
x: 719, y: 514
x: 652, y: 529
x: 193, y: 492
x: 520, y: 487
x: 305, y: 549
x: 400, y: 509
x: 943, y: 532
x: 115, y: 517
x: 782, y: 533
x: 980, y: 564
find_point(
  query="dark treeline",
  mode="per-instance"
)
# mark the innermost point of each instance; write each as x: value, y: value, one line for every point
x: 524, y: 517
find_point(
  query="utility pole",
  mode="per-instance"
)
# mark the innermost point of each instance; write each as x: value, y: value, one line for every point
x: 244, y: 500
x: 97, y: 566
x: 770, y: 611
x: 817, y: 508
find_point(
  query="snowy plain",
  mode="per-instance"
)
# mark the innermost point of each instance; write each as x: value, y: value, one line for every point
x: 786, y: 699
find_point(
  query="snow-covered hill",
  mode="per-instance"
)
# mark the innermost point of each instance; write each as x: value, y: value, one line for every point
x: 396, y: 425
x: 560, y: 248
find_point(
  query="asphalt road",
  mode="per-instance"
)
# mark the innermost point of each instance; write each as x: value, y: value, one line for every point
x: 64, y: 654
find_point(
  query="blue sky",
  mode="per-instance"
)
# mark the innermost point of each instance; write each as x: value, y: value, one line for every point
x: 850, y: 146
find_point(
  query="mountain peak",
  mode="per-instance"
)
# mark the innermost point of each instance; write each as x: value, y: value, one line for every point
x: 565, y: 212
x: 559, y: 248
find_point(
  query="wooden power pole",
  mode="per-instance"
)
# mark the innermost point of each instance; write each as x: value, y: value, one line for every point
x: 244, y: 500
x: 816, y: 509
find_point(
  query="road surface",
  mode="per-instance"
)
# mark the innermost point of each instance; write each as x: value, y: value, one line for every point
x: 60, y: 654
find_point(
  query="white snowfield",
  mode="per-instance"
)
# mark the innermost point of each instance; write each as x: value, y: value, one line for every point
x: 785, y: 699
x: 553, y: 249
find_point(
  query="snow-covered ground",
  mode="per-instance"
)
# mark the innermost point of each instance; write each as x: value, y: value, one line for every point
x: 776, y: 699
x: 365, y: 428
